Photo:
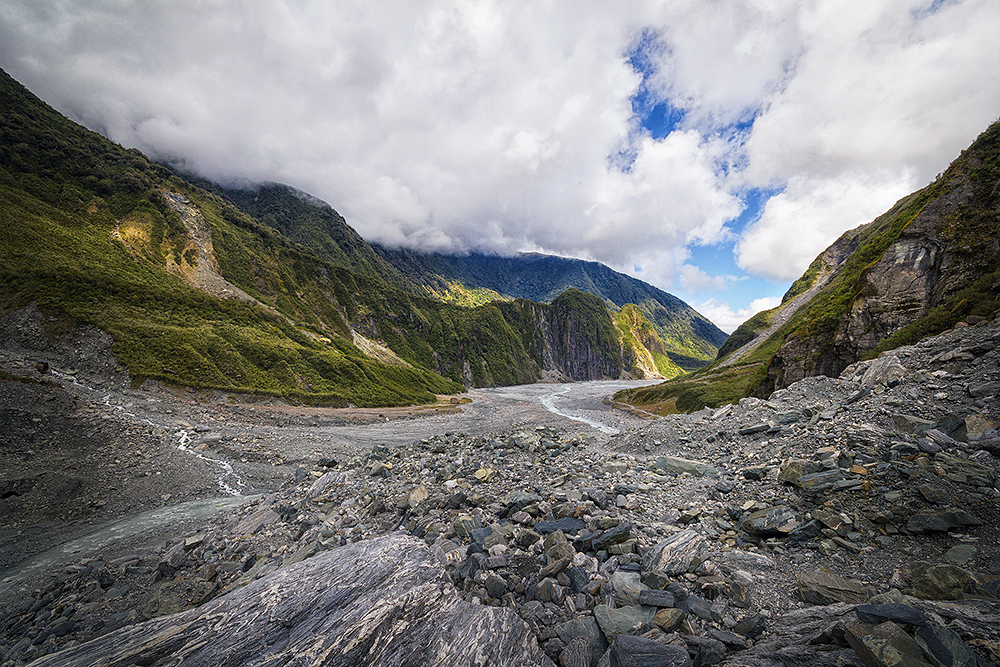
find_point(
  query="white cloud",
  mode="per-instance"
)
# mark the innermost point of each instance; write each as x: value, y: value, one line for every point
x: 452, y: 125
x: 799, y: 223
x: 728, y: 319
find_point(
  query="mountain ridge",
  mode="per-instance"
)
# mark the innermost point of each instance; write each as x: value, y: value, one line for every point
x: 929, y: 263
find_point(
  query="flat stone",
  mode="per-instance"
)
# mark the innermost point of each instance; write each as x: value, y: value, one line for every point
x: 960, y: 554
x: 627, y: 587
x: 817, y: 482
x: 258, y: 520
x: 615, y: 535
x: 657, y: 598
x: 567, y: 525
x: 933, y: 493
x: 755, y: 428
x: 678, y: 554
x: 941, y: 521
x: 982, y: 389
x: 779, y: 520
x: 910, y: 424
x: 699, y: 607
x: 883, y: 371
x: 941, y: 582
x: 884, y: 645
x: 945, y: 646
x: 623, y: 621
x: 824, y: 588
x: 897, y: 613
x: 752, y: 626
x: 577, y: 653
x: 792, y: 469
x: 707, y: 651
x: 788, y: 417
x: 669, y: 619
x: 632, y: 651
x: 679, y: 465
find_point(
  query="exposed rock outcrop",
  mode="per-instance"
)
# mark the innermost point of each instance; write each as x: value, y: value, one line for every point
x: 380, y: 602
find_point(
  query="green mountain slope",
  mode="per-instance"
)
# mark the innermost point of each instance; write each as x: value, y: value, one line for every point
x: 197, y: 292
x: 926, y: 264
x: 690, y: 340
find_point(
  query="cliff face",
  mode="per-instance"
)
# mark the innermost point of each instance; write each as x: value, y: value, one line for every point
x: 934, y: 261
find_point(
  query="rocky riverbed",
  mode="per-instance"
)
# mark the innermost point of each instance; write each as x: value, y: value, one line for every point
x: 842, y: 522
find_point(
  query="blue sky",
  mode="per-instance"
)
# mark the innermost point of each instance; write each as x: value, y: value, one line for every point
x: 716, y: 146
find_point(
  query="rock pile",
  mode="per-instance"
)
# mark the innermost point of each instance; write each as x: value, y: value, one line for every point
x: 816, y: 527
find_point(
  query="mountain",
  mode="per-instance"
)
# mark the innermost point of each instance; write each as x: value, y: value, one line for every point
x: 689, y: 339
x: 197, y: 292
x: 930, y: 263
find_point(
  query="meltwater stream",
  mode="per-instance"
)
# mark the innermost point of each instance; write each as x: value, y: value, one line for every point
x: 579, y: 401
x: 229, y: 481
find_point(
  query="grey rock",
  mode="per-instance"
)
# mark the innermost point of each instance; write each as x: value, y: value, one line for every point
x: 779, y: 520
x: 945, y: 647
x: 897, y: 613
x: 584, y: 626
x: 624, y: 621
x: 632, y: 651
x: 941, y: 521
x: 377, y: 602
x: 577, y: 653
x: 611, y: 536
x: 755, y: 428
x: 884, y: 645
x: 911, y: 424
x: 678, y: 554
x: 567, y: 525
x: 707, y: 651
x: 818, y: 587
x: 679, y: 465
x: 655, y: 598
x: 941, y: 582
x: 983, y: 389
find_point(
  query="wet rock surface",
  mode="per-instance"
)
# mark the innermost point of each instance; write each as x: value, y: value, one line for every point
x: 867, y: 500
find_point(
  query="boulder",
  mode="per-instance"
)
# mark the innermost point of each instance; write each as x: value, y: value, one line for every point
x: 679, y: 465
x: 823, y: 588
x: 632, y: 651
x: 884, y: 645
x: 384, y: 601
x: 779, y: 520
x: 678, y: 554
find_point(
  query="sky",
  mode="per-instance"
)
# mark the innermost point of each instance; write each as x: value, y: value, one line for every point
x: 710, y: 147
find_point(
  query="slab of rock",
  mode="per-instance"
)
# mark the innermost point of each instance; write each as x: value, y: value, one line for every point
x: 941, y: 521
x: 584, y: 626
x: 632, y: 651
x: 623, y: 621
x: 587, y: 627
x: 884, y: 645
x: 679, y: 465
x: 678, y: 554
x: 380, y: 602
x: 823, y: 588
x: 779, y: 520
x: 940, y: 582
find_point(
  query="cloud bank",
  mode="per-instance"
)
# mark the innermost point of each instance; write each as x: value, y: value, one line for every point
x: 510, y: 126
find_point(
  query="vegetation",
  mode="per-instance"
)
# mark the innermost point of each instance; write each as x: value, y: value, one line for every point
x: 91, y: 233
x: 639, y: 336
x: 967, y: 234
x: 689, y: 339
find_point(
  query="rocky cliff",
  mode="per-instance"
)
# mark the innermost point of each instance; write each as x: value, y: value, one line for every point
x: 933, y: 261
x: 930, y: 262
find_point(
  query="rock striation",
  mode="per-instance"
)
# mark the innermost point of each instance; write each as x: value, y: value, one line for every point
x: 381, y: 602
